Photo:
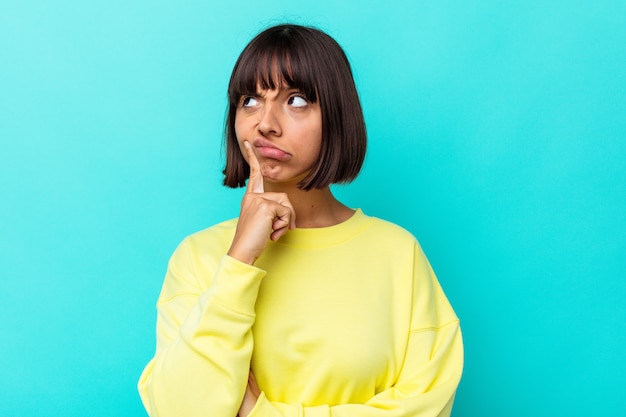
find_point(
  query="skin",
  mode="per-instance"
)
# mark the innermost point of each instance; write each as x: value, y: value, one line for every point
x: 279, y: 133
x: 286, y: 120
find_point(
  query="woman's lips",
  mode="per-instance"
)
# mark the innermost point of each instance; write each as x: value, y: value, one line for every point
x: 267, y: 149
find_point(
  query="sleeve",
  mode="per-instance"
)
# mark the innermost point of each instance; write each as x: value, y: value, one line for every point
x: 431, y: 370
x: 204, y: 339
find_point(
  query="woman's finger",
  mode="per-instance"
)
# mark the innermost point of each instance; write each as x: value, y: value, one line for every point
x: 283, y: 215
x: 255, y: 182
x: 254, y: 386
x: 284, y: 201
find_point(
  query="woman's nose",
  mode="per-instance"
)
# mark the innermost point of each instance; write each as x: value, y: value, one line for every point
x: 269, y: 123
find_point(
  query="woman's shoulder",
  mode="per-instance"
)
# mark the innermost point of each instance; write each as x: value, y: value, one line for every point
x: 211, y: 239
x: 202, y: 250
x: 390, y: 230
x: 219, y: 232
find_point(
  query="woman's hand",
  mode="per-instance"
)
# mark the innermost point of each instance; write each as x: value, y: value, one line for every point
x: 263, y: 216
x: 250, y: 397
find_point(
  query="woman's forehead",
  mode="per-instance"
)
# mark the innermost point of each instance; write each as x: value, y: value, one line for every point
x: 276, y: 69
x: 273, y: 77
x: 274, y: 72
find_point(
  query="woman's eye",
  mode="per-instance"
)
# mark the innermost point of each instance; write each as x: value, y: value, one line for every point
x: 249, y: 102
x: 297, y: 101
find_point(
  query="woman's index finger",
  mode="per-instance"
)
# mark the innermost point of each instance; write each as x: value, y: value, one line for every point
x: 255, y: 182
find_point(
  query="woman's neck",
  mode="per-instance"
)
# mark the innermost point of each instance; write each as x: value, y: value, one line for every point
x: 314, y: 208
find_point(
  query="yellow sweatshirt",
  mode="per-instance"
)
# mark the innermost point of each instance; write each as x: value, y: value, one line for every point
x: 342, y: 321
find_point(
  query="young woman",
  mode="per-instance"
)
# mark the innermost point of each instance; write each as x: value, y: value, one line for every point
x: 302, y: 306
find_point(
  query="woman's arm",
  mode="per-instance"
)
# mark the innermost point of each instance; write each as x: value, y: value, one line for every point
x: 204, y: 339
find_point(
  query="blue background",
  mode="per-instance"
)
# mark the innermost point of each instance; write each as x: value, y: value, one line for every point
x: 497, y: 136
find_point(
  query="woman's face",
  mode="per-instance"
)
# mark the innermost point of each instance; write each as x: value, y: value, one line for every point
x: 285, y: 131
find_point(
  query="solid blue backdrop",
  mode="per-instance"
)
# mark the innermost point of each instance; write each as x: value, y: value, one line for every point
x: 497, y: 136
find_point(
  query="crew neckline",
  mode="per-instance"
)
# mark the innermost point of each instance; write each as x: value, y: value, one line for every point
x: 325, y: 236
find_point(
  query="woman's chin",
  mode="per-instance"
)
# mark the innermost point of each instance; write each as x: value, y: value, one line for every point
x: 278, y: 176
x: 271, y: 171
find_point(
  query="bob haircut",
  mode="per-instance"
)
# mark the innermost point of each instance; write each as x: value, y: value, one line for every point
x: 312, y: 62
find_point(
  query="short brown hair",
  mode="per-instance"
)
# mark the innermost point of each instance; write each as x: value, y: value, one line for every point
x: 309, y: 60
